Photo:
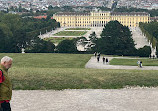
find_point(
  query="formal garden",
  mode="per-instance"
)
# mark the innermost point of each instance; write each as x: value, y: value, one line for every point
x: 78, y: 29
x: 70, y: 33
x: 57, y: 40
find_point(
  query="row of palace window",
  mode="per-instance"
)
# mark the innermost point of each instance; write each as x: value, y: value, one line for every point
x: 99, y: 22
x: 95, y: 25
x: 112, y: 19
x: 104, y: 14
x: 130, y: 18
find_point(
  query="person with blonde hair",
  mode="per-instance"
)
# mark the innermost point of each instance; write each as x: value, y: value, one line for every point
x: 5, y: 84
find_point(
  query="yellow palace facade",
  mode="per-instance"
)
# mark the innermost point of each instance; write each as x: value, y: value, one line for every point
x: 100, y: 18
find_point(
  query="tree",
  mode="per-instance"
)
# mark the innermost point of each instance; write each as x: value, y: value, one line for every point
x: 2, y: 41
x: 21, y: 38
x: 115, y: 39
x: 67, y: 46
x: 93, y: 37
x: 144, y: 52
x: 23, y: 33
x: 38, y: 45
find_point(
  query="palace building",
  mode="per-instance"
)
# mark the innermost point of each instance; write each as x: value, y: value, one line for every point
x: 100, y: 18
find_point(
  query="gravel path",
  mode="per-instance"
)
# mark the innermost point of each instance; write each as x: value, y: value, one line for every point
x: 135, y: 99
x: 139, y: 39
x: 92, y: 63
x: 127, y: 99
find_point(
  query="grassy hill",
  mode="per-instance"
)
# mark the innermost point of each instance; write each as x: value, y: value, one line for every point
x: 66, y: 71
x: 48, y: 60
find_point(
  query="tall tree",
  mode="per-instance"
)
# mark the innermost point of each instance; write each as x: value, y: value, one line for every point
x: 2, y: 41
x: 67, y: 46
x: 115, y: 39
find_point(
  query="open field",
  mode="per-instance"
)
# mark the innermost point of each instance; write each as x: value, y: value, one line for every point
x: 70, y: 33
x: 57, y: 40
x: 66, y: 71
x: 133, y: 62
x: 78, y: 29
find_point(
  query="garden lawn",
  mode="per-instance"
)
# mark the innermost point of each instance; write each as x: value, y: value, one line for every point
x: 57, y: 40
x: 133, y: 62
x: 70, y: 33
x: 48, y: 60
x: 78, y: 29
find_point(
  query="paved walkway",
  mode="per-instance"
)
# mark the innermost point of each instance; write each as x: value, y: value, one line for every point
x: 139, y: 39
x: 92, y: 63
x: 135, y: 99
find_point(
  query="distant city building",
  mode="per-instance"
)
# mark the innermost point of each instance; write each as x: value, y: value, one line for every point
x: 143, y: 4
x: 98, y: 18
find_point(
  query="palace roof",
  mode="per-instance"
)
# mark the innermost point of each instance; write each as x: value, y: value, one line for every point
x: 71, y: 14
x: 130, y: 13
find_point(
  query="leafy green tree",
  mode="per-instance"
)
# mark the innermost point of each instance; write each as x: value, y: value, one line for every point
x: 144, y: 52
x: 67, y: 46
x: 40, y: 46
x: 13, y: 21
x: 21, y: 32
x: 115, y: 39
x: 21, y: 39
x: 2, y: 41
x: 93, y: 37
x: 80, y: 41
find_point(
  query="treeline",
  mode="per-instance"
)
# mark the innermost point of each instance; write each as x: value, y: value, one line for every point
x: 152, y: 13
x: 39, y: 26
x: 17, y: 33
x: 151, y: 32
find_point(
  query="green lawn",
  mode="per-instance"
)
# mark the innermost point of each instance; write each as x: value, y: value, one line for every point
x: 57, y: 40
x: 50, y: 60
x: 133, y: 62
x: 78, y: 29
x: 80, y: 78
x: 70, y: 33
x: 66, y: 71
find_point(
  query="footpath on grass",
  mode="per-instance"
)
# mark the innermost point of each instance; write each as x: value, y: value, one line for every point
x: 92, y: 63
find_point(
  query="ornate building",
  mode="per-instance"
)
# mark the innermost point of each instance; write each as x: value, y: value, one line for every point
x: 100, y: 18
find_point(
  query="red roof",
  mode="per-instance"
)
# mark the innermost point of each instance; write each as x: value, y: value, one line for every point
x: 40, y: 17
